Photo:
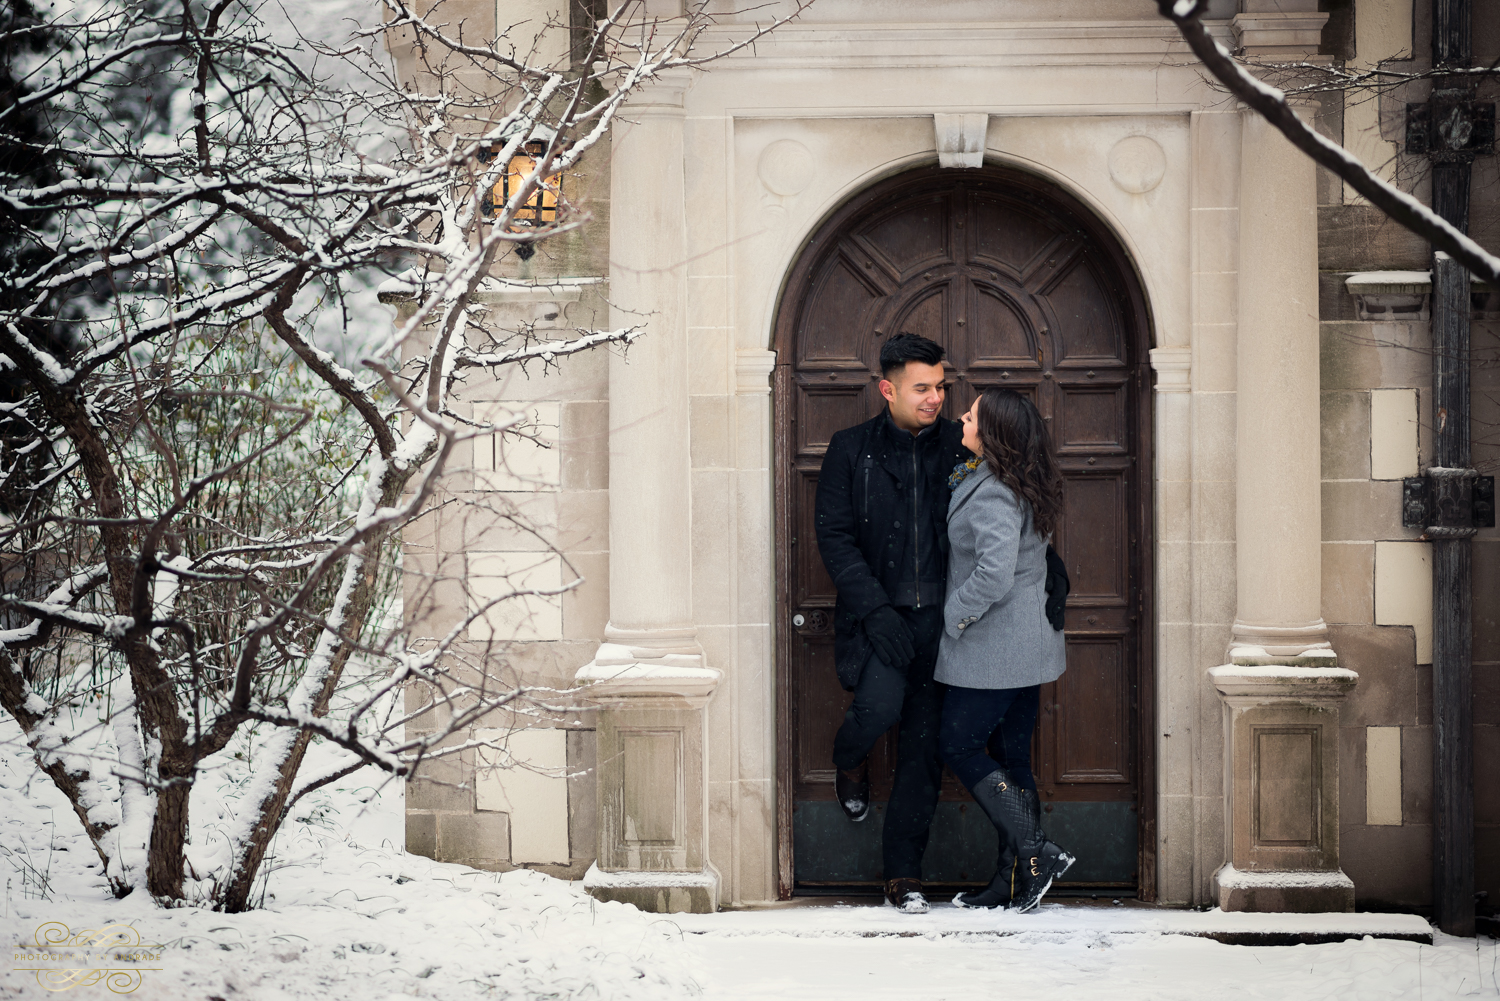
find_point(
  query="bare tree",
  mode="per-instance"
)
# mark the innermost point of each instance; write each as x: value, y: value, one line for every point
x: 202, y: 501
x: 1272, y: 103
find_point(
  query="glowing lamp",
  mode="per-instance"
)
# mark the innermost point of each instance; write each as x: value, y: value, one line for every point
x: 540, y: 209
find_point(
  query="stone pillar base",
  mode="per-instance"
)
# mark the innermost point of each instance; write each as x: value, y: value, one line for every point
x: 1281, y: 772
x: 1295, y: 892
x: 657, y: 892
x: 653, y: 796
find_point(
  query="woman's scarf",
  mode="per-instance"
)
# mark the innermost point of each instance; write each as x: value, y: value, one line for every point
x: 961, y: 472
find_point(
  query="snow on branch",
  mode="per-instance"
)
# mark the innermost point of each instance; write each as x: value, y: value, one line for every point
x: 1271, y: 103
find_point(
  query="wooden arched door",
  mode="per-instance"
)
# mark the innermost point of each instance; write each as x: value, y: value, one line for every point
x: 1026, y: 290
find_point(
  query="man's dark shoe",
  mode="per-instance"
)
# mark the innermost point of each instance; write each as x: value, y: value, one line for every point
x: 997, y: 894
x: 906, y: 895
x: 853, y: 791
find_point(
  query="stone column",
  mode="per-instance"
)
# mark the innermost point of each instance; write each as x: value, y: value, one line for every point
x: 1278, y: 491
x: 1282, y: 688
x: 648, y: 677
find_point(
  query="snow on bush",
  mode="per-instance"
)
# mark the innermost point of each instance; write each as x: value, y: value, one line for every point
x: 347, y: 912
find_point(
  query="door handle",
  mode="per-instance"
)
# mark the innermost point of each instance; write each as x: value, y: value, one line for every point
x: 799, y: 620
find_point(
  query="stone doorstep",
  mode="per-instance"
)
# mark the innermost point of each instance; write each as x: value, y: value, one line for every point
x: 819, y: 918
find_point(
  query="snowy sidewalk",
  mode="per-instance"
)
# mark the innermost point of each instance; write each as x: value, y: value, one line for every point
x: 1074, y: 952
x: 1056, y: 920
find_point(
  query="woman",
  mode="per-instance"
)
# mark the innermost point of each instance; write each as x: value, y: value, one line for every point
x: 998, y: 647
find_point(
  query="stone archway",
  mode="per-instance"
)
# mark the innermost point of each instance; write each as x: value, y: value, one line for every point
x: 1027, y: 289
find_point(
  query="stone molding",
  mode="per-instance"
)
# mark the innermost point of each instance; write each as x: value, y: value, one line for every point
x: 672, y: 681
x: 1174, y: 369
x: 961, y: 139
x: 1279, y: 33
x: 752, y: 372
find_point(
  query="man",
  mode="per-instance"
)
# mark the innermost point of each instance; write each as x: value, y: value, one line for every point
x: 882, y: 512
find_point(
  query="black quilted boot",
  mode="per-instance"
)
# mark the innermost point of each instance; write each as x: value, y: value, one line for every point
x: 1016, y: 813
x: 997, y: 894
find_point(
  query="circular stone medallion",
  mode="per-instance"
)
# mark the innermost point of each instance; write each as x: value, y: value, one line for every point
x: 1137, y: 164
x: 785, y: 167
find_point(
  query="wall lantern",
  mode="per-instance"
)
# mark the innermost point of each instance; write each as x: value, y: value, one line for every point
x: 538, y: 210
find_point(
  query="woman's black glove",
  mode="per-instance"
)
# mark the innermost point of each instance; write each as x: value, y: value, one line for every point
x: 1057, y: 589
x: 890, y: 636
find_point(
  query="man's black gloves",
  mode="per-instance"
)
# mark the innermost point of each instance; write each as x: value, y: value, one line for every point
x: 1057, y: 588
x: 890, y: 636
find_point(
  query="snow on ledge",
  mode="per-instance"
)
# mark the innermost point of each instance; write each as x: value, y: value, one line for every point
x: 596, y: 878
x: 1287, y: 671
x: 1235, y: 879
x: 645, y: 671
x: 1356, y: 282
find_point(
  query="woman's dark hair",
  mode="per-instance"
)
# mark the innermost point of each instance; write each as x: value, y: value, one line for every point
x: 1019, y: 452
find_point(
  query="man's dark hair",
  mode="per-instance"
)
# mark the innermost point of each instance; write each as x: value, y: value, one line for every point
x: 908, y: 347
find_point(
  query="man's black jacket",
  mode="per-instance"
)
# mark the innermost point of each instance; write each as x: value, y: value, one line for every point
x: 863, y: 507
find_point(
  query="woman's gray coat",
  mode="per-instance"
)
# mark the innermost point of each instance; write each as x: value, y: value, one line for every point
x: 996, y: 633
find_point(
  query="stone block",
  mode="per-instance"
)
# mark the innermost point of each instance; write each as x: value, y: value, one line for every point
x: 713, y: 537
x: 473, y: 838
x: 583, y: 786
x: 1384, y: 659
x: 1485, y: 577
x: 1352, y: 787
x: 656, y: 898
x: 1214, y: 359
x: 528, y: 458
x: 585, y: 609
x: 498, y: 583
x: 1312, y: 897
x: 1367, y: 355
x: 1393, y: 433
x: 1214, y: 420
x: 421, y: 834
x: 1174, y: 867
x: 1363, y: 511
x: 1403, y: 590
x: 509, y: 521
x: 1349, y: 582
x: 1486, y: 775
x: 1391, y: 866
x: 424, y: 792
x: 1383, y: 775
x: 1216, y: 303
x: 1215, y: 588
x: 585, y: 445
x: 1362, y: 238
x: 1486, y: 682
x: 1214, y: 510
x: 1345, y: 425
x: 1416, y: 775
x: 525, y: 777
x: 710, y: 431
x: 583, y: 521
x: 710, y: 362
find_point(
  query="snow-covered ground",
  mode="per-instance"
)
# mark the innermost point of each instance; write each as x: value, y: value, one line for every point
x: 349, y: 915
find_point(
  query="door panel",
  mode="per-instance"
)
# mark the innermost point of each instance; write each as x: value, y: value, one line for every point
x: 1026, y: 292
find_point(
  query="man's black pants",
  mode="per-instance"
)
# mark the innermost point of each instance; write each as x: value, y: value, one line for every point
x: 884, y: 697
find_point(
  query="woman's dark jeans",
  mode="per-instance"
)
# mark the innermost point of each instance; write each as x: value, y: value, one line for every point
x: 1002, y: 718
